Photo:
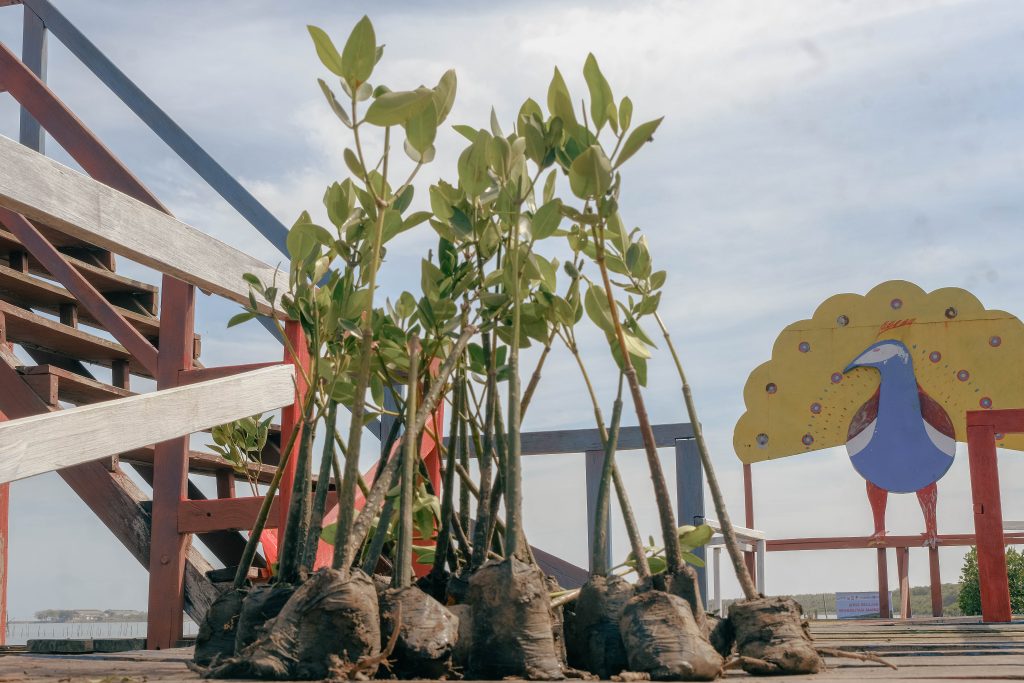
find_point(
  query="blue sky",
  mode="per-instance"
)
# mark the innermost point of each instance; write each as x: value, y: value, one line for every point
x: 808, y: 148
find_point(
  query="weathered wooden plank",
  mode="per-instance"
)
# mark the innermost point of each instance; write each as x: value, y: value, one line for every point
x: 580, y: 441
x: 111, y: 495
x: 44, y: 190
x: 71, y: 387
x: 44, y: 443
x: 186, y: 377
x: 862, y: 542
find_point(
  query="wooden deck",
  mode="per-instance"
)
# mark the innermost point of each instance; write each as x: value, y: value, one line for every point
x: 923, y: 649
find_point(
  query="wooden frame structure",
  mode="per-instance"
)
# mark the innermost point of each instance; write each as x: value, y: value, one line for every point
x: 60, y: 231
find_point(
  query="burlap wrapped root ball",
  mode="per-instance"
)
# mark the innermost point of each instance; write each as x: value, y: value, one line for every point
x: 773, y: 638
x: 663, y: 640
x: 595, y: 642
x: 511, y: 615
x: 330, y: 625
x: 427, y: 633
x: 215, y: 641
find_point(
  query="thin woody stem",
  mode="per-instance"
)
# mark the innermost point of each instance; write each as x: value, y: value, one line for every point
x: 728, y: 533
x: 402, y: 576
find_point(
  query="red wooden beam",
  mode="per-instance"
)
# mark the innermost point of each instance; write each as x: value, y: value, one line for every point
x: 170, y: 475
x: 936, y: 581
x: 903, y: 570
x: 5, y: 504
x: 69, y: 132
x: 203, y: 374
x: 291, y: 418
x: 230, y: 514
x: 1006, y: 420
x: 864, y: 542
x: 80, y: 288
x: 884, y: 611
x: 988, y: 519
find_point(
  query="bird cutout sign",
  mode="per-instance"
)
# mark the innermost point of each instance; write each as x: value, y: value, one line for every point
x: 890, y: 376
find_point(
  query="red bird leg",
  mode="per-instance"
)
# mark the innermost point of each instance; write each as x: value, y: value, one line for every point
x: 878, y: 497
x: 928, y: 497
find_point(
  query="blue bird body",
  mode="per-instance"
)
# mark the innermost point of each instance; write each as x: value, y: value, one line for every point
x: 899, y: 451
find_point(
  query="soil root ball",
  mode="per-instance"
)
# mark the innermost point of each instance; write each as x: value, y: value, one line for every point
x: 511, y: 613
x: 773, y: 637
x: 558, y: 630
x: 216, y: 638
x: 330, y: 617
x: 663, y: 639
x: 261, y: 605
x: 720, y: 634
x: 460, y: 654
x: 427, y: 633
x: 595, y: 642
x: 682, y: 584
x: 434, y: 584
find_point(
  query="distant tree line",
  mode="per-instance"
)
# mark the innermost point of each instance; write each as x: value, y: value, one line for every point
x: 970, y: 592
x: 80, y: 615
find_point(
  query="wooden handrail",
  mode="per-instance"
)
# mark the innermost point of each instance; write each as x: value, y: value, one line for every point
x: 53, y: 441
x: 49, y: 192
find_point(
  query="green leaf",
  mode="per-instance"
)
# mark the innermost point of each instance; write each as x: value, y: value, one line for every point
x: 473, y: 176
x: 658, y: 279
x: 595, y: 302
x: 600, y: 91
x: 444, y: 95
x: 395, y: 108
x: 468, y: 132
x: 240, y: 318
x: 625, y: 113
x: 339, y: 110
x: 549, y: 185
x: 559, y: 101
x: 359, y: 54
x: 421, y: 129
x: 657, y: 564
x: 328, y: 533
x: 692, y: 559
x: 304, y: 239
x: 326, y: 51
x: 547, y: 219
x: 590, y: 174
x: 640, y: 136
x: 695, y: 536
x: 352, y: 161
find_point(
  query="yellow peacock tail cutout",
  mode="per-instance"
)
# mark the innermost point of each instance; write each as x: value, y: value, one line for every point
x: 965, y: 356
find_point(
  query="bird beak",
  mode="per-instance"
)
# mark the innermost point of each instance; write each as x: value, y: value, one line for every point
x: 851, y: 366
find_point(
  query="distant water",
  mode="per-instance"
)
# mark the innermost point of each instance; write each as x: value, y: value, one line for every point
x: 19, y: 633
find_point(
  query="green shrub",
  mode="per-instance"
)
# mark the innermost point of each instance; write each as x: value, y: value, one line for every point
x: 970, y: 589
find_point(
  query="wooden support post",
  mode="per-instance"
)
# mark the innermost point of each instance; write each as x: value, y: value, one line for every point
x: 170, y: 475
x: 903, y: 569
x: 748, y: 507
x: 690, y: 499
x: 291, y: 419
x: 34, y: 55
x: 594, y: 464
x: 18, y: 260
x: 225, y: 484
x: 988, y: 522
x: 936, y: 581
x: 883, y: 585
x: 69, y: 315
x: 119, y: 375
x: 5, y: 502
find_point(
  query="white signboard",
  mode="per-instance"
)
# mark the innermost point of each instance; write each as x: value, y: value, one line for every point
x: 857, y: 605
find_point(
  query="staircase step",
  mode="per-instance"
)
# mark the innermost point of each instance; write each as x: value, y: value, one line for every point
x: 123, y: 291
x: 34, y: 331
x: 55, y: 384
x: 30, y: 291
x: 72, y: 246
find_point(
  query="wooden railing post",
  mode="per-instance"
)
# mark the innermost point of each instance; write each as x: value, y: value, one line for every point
x: 690, y: 499
x: 883, y: 585
x: 903, y: 569
x: 988, y: 522
x: 936, y: 581
x: 291, y: 419
x: 170, y: 474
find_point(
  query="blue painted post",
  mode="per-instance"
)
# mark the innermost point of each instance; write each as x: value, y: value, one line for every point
x: 690, y: 498
x: 160, y: 123
x: 595, y: 463
x: 33, y: 54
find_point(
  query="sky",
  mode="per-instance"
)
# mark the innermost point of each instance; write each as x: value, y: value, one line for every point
x: 808, y: 148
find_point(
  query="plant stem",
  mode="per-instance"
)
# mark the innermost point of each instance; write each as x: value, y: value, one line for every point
x: 531, y: 387
x: 402, y: 576
x: 323, y: 483
x: 380, y: 487
x: 480, y: 533
x: 296, y: 533
x: 599, y: 558
x: 673, y: 555
x: 447, y: 494
x: 728, y: 533
x: 636, y: 543
x: 513, y: 467
x: 249, y: 552
x: 464, y: 461
x: 347, y: 495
